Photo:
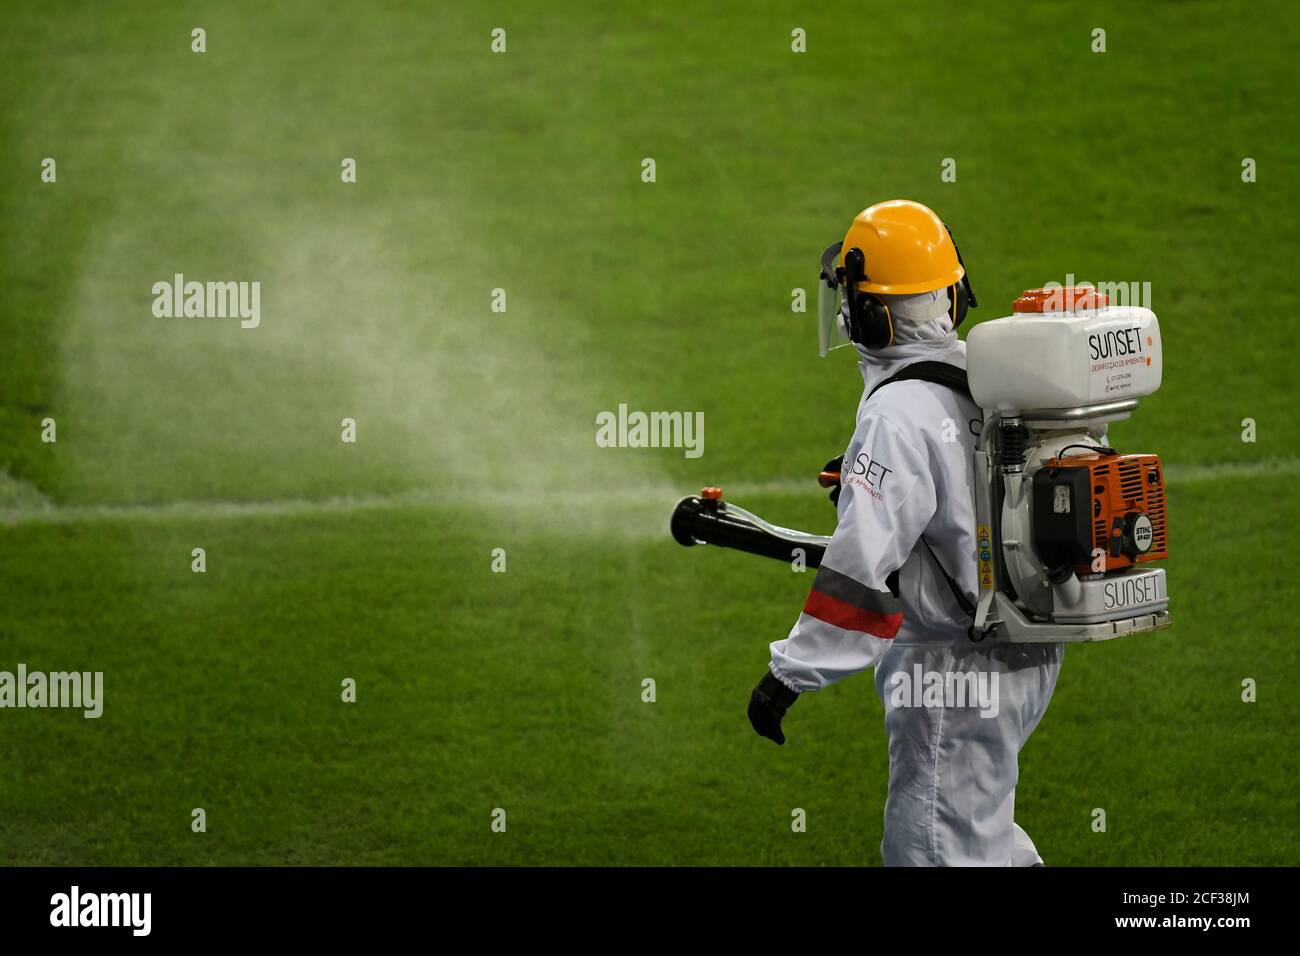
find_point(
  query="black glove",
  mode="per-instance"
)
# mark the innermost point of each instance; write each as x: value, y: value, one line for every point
x: 835, y: 466
x: 768, y: 704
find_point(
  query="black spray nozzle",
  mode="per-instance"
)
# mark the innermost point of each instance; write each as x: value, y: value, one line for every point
x: 698, y: 520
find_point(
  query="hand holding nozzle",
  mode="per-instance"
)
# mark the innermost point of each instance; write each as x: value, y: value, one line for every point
x: 830, y: 478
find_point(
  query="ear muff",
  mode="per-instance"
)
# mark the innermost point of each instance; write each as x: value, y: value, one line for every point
x: 874, y: 328
x: 868, y: 320
x: 959, y: 302
x: 960, y: 294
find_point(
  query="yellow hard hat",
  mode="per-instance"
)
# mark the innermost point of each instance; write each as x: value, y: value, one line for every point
x: 906, y: 249
x: 893, y: 248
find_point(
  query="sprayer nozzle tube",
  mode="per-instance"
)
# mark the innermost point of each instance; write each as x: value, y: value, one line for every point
x: 694, y: 522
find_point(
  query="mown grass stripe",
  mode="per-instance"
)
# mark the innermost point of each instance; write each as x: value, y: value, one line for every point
x: 39, y: 511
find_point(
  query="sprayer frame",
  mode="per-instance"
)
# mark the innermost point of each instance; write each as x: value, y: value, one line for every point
x: 997, y: 616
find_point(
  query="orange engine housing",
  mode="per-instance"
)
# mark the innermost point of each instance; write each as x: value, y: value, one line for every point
x: 1121, y: 490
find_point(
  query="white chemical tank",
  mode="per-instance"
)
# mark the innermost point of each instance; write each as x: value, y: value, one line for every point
x: 1063, y: 348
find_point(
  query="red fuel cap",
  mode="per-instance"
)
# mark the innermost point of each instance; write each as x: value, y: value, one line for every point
x: 1061, y: 299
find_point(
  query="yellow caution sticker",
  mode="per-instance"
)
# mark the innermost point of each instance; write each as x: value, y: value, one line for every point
x: 984, y: 539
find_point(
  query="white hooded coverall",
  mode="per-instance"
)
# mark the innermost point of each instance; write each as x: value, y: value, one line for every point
x: 908, y: 472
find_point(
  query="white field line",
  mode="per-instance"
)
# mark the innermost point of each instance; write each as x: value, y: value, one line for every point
x: 651, y: 496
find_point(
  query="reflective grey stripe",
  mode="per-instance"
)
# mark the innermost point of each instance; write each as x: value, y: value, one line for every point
x: 843, y: 588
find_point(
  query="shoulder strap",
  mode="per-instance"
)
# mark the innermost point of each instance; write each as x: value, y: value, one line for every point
x: 940, y: 373
x: 949, y: 376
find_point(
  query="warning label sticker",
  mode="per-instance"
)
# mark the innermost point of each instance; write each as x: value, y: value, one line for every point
x: 985, y: 541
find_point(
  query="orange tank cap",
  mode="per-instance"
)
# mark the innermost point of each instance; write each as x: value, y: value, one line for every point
x: 1061, y: 299
x: 711, y: 493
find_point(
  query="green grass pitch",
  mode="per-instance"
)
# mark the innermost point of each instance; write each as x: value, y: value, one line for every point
x: 522, y: 171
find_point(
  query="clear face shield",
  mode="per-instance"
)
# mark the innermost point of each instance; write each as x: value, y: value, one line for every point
x: 832, y: 331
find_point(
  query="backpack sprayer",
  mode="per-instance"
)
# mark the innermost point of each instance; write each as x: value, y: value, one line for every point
x: 1067, y: 527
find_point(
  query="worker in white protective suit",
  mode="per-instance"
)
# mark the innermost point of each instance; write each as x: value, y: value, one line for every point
x: 896, y: 584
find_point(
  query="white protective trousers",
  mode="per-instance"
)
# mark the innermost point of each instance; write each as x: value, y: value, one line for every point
x: 957, y: 713
x: 953, y: 770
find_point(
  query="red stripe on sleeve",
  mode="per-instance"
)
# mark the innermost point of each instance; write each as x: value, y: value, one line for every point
x: 844, y: 615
